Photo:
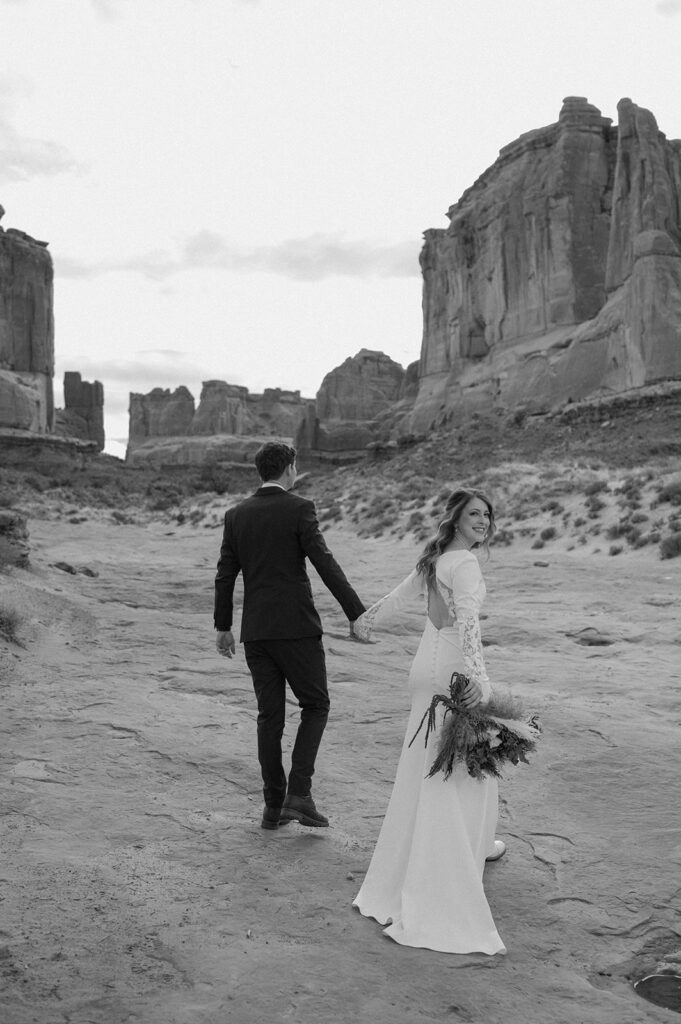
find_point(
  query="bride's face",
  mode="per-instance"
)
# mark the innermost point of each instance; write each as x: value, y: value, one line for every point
x: 473, y: 522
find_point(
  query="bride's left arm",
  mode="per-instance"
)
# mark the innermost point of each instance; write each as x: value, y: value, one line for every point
x: 466, y: 587
x: 410, y: 587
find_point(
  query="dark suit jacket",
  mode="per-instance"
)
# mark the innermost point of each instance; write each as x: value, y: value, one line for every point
x: 267, y: 537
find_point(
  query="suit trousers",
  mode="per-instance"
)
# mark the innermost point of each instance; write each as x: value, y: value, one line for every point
x: 300, y: 663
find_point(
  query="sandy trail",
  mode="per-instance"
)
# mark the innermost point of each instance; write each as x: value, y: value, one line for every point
x: 137, y: 885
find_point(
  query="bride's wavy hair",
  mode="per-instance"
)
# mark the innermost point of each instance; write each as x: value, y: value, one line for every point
x: 456, y: 503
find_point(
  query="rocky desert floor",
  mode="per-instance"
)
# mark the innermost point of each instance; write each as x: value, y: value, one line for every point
x: 136, y: 884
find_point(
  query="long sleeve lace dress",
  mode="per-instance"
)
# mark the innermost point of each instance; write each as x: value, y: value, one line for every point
x: 425, y: 877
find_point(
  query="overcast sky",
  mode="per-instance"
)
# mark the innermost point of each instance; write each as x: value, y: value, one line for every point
x: 237, y: 189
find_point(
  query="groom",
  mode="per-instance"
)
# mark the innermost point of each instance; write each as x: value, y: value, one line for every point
x: 267, y: 538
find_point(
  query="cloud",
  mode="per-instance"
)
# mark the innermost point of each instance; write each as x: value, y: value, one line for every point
x: 151, y: 367
x: 304, y: 259
x: 22, y: 157
x: 670, y: 7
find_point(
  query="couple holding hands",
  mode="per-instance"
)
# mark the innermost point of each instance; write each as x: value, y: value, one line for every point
x: 424, y: 882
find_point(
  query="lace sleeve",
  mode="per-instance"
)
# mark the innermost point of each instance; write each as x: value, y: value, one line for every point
x: 464, y: 594
x: 406, y: 591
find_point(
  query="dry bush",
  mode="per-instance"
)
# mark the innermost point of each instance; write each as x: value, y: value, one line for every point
x: 595, y: 487
x: 671, y: 492
x: 10, y: 621
x: 670, y: 547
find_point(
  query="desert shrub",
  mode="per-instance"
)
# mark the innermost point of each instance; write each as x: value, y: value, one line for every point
x: 503, y: 536
x: 630, y: 492
x: 617, y: 530
x: 639, y: 517
x: 548, y: 533
x: 162, y: 502
x: 671, y: 492
x: 553, y: 506
x: 537, y: 544
x: 594, y: 505
x: 332, y: 512
x: 641, y: 540
x: 579, y: 521
x: 596, y: 487
x: 214, y: 477
x: 9, y: 623
x: 615, y: 549
x: 670, y: 547
x: 518, y: 417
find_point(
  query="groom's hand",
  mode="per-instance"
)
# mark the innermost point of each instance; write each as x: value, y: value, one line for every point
x: 225, y: 643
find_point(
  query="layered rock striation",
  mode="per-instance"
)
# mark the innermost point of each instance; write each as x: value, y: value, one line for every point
x: 559, y: 275
x: 26, y: 333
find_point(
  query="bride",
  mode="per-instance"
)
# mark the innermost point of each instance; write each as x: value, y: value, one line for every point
x: 425, y: 876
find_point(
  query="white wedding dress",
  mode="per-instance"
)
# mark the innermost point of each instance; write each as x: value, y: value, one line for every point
x: 425, y: 876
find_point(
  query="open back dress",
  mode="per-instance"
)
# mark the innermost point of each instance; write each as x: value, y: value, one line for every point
x: 424, y: 881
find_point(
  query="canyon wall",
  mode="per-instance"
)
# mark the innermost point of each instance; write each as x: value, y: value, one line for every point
x: 26, y: 333
x: 559, y: 275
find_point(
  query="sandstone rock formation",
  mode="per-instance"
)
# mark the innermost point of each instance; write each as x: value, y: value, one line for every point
x: 226, y: 415
x: 231, y: 409
x: 83, y: 412
x: 26, y: 333
x: 559, y: 275
x: 360, y: 388
x: 357, y: 404
x: 160, y: 413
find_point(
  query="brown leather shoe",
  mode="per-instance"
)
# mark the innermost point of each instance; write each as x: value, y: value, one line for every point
x: 270, y: 817
x: 302, y: 809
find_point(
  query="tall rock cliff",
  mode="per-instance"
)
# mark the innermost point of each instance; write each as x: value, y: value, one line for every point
x: 560, y: 272
x: 26, y: 333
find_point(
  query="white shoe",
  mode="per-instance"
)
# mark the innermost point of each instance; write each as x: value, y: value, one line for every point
x: 499, y: 850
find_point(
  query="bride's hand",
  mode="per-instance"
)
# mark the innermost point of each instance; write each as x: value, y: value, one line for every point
x: 472, y: 694
x: 357, y: 638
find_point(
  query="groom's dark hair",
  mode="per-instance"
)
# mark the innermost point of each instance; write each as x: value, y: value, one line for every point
x: 272, y: 459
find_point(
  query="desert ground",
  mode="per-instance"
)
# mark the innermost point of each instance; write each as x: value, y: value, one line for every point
x: 136, y: 884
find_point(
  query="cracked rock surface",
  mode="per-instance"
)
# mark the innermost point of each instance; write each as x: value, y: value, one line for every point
x: 137, y: 886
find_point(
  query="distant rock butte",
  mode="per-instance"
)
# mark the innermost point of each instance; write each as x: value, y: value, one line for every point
x: 225, y: 411
x: 83, y: 412
x: 357, y: 404
x: 349, y: 413
x: 559, y: 275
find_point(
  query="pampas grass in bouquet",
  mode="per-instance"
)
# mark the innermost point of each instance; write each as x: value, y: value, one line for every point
x: 485, y: 738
